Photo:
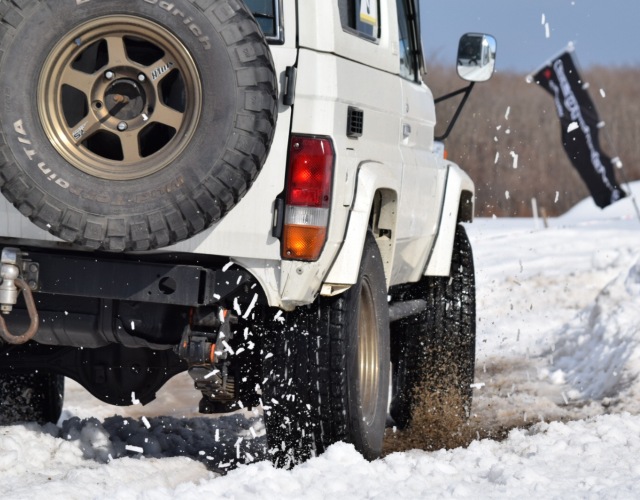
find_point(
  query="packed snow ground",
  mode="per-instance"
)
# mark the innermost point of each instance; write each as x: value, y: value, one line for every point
x: 558, y: 380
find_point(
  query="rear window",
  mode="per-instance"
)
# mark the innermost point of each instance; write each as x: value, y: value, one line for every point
x: 268, y: 15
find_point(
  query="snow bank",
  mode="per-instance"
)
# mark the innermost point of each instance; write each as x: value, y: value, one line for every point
x: 598, y: 353
x: 581, y: 459
x: 34, y: 463
x: 586, y: 210
x: 540, y: 462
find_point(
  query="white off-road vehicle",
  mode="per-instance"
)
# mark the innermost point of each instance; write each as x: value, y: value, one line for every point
x: 247, y: 190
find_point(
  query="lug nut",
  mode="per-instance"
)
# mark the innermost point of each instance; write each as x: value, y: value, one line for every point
x: 122, y: 126
x: 141, y: 77
x: 109, y: 75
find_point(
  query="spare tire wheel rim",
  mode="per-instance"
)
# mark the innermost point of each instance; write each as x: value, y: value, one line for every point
x: 119, y: 97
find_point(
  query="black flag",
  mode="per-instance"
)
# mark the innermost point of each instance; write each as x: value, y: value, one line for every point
x: 579, y: 122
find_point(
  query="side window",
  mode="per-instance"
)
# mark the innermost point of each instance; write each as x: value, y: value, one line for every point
x: 267, y: 13
x: 360, y: 17
x: 408, y: 60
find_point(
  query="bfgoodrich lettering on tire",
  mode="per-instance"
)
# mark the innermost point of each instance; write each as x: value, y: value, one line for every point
x: 131, y: 124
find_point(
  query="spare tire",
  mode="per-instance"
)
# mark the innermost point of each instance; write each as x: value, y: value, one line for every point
x: 131, y: 124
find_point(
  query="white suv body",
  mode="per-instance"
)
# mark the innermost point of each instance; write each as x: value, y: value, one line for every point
x: 394, y: 159
x: 248, y: 190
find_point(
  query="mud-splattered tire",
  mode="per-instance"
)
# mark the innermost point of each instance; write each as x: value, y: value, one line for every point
x: 131, y: 124
x: 30, y: 397
x: 327, y: 368
x: 433, y: 352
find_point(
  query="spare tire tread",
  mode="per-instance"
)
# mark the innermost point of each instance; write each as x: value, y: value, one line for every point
x: 191, y: 209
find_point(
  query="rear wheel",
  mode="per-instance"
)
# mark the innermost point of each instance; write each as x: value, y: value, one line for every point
x: 30, y: 397
x: 327, y: 371
x: 433, y: 352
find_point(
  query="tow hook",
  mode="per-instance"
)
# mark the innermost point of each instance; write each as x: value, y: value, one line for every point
x: 207, y: 353
x: 10, y: 287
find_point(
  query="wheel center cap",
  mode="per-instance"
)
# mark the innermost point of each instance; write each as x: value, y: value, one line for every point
x: 125, y: 99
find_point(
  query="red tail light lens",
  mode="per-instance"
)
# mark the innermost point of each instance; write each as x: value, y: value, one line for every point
x: 310, y: 172
x: 308, y: 197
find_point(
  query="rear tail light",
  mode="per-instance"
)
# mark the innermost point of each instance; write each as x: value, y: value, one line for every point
x: 308, y: 197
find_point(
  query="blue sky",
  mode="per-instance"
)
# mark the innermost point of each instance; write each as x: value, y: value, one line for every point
x: 604, y: 31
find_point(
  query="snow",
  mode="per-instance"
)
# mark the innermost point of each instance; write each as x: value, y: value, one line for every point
x: 556, y: 409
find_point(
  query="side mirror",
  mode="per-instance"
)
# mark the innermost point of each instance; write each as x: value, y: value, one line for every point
x: 476, y: 57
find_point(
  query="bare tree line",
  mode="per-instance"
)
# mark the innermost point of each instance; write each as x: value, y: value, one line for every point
x: 508, y: 138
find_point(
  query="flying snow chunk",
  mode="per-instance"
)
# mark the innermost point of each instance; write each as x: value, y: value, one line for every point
x: 573, y: 126
x: 547, y: 31
x: 602, y: 93
x: 135, y: 449
x: 236, y: 306
x: 146, y: 423
x: 515, y: 159
x: 228, y: 348
x: 251, y: 306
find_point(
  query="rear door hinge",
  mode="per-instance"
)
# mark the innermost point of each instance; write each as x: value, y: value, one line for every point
x: 290, y: 76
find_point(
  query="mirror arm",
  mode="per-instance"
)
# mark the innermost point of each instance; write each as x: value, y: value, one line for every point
x: 466, y: 91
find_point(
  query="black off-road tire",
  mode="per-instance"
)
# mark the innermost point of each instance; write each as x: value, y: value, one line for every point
x: 30, y: 397
x: 433, y: 352
x: 109, y: 160
x: 326, y: 370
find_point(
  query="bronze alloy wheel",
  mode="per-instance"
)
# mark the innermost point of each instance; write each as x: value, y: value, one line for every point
x: 368, y: 356
x: 119, y: 97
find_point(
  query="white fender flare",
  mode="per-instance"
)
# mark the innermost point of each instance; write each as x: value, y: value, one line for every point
x: 459, y: 188
x: 373, y: 177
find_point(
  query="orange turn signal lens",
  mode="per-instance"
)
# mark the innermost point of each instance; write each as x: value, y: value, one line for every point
x: 303, y: 242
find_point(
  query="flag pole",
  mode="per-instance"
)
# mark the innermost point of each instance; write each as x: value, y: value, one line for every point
x: 618, y: 164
